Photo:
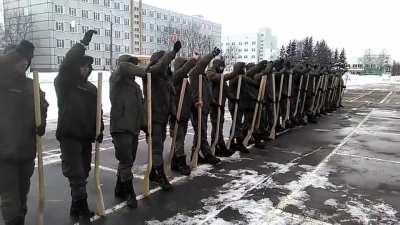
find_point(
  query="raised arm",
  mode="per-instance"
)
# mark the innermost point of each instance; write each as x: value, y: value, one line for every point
x: 183, y: 71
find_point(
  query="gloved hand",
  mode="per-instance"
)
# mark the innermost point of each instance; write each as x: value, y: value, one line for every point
x: 216, y: 51
x: 177, y: 46
x: 88, y: 37
x: 100, y: 138
x: 40, y: 130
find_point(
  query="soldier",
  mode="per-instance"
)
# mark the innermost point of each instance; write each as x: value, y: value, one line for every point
x: 17, y: 131
x: 205, y: 104
x: 312, y: 93
x: 126, y: 120
x: 181, y: 70
x: 161, y: 109
x: 76, y: 127
x: 214, y: 74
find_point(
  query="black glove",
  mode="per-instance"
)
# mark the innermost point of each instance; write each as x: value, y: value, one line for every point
x: 88, y: 37
x: 177, y: 46
x: 216, y: 51
x: 100, y: 138
x: 40, y: 130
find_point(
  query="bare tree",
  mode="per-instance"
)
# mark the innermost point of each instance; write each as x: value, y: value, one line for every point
x: 17, y: 27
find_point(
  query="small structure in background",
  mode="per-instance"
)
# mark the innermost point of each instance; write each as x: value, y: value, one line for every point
x: 372, y: 64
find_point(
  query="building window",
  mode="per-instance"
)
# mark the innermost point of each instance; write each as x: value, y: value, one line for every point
x: 97, y: 61
x: 245, y: 56
x: 240, y: 43
x: 96, y: 2
x: 126, y: 21
x: 85, y: 1
x: 60, y: 43
x: 118, y: 48
x: 233, y: 43
x: 85, y: 14
x: 117, y: 20
x: 126, y: 8
x: 85, y: 29
x: 117, y: 34
x: 253, y: 43
x: 126, y: 49
x: 151, y: 39
x: 165, y: 17
x: 59, y: 9
x: 253, y: 49
x: 127, y: 36
x: 137, y: 49
x: 253, y: 56
x: 60, y: 59
x: 72, y: 43
x: 172, y: 18
x: 97, y: 46
x: 246, y: 43
x: 107, y: 47
x: 143, y: 12
x: 96, y: 16
x: 239, y: 57
x: 108, y: 62
x: 72, y: 29
x: 136, y: 43
x: 144, y: 38
x: 136, y: 29
x: 107, y: 18
x: 116, y: 5
x: 151, y: 27
x: 178, y: 20
x: 108, y: 33
x: 151, y: 14
x: 144, y: 26
x: 72, y: 11
x: 158, y: 15
x: 136, y: 17
x: 159, y: 41
x: 107, y: 3
x: 60, y: 26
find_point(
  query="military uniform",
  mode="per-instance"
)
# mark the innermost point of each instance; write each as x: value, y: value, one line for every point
x: 18, y: 134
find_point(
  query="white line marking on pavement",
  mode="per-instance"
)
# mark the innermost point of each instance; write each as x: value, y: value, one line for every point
x: 385, y: 98
x: 112, y: 170
x: 367, y: 158
x: 285, y: 201
x: 358, y: 97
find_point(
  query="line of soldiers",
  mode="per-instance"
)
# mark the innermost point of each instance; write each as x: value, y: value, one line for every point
x: 263, y: 100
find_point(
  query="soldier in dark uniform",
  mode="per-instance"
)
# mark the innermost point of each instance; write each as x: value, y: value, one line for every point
x: 17, y: 131
x: 214, y: 75
x: 199, y: 70
x: 181, y: 70
x: 127, y: 118
x: 76, y: 128
x: 161, y: 95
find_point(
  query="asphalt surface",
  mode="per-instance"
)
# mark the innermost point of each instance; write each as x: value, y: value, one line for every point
x: 343, y: 170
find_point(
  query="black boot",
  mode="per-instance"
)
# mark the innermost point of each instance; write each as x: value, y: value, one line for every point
x: 222, y: 151
x: 119, y: 191
x: 259, y: 143
x: 80, y: 211
x: 179, y: 165
x: 157, y: 175
x: 312, y: 119
x: 17, y: 221
x: 131, y: 201
x: 210, y: 159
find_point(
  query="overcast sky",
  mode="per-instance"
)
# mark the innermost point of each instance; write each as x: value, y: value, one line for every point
x: 351, y: 24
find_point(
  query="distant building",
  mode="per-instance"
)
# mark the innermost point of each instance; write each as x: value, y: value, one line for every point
x: 250, y: 48
x: 371, y: 64
x: 58, y: 24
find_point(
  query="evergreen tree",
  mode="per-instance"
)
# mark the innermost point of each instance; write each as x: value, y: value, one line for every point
x: 282, y: 53
x: 308, y: 49
x: 335, y: 59
x: 342, y: 59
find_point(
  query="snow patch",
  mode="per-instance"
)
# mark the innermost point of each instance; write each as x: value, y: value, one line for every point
x: 375, y: 213
x: 331, y: 202
x: 279, y: 168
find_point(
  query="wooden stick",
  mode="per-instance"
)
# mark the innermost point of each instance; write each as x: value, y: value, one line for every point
x: 146, y: 181
x: 100, y: 209
x: 39, y: 149
x: 216, y: 137
x: 298, y: 96
x: 250, y: 131
x: 304, y: 95
x: 168, y: 171
x: 232, y: 135
x: 272, y: 134
x: 195, y: 157
x: 289, y: 95
x: 261, y: 107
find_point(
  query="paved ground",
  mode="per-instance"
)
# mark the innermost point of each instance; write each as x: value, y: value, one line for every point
x: 343, y: 170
